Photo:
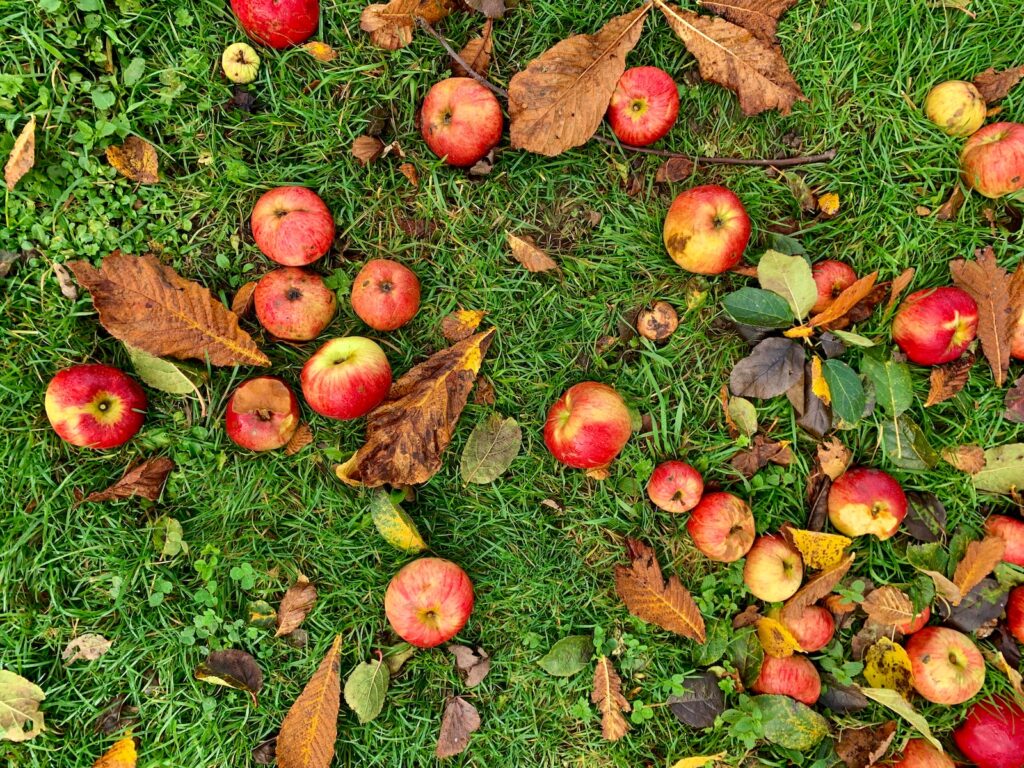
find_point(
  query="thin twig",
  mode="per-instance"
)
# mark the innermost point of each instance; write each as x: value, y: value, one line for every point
x: 779, y: 162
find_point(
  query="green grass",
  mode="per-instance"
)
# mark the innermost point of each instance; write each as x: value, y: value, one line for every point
x: 540, y: 573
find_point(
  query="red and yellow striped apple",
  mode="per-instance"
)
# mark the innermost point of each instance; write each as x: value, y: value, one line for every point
x: 722, y: 527
x: 706, y: 230
x: 385, y: 294
x: 346, y: 378
x: 992, y: 160
x: 917, y: 623
x: 919, y: 753
x: 95, y: 406
x: 812, y: 629
x: 935, y: 325
x: 294, y: 304
x: 774, y: 570
x: 675, y: 486
x: 588, y: 426
x: 292, y: 226
x: 866, y: 501
x: 832, y: 278
x: 262, y: 414
x: 460, y: 121
x: 429, y: 601
x: 948, y: 667
x: 644, y: 106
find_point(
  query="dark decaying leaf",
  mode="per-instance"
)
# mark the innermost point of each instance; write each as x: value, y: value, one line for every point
x: 926, y: 516
x: 136, y: 159
x: 1004, y: 641
x: 476, y: 53
x: 948, y: 379
x: 649, y: 597
x: 265, y: 753
x: 701, y: 702
x: 761, y: 17
x: 817, y: 587
x: 473, y: 663
x: 864, y: 747
x: 674, y: 169
x: 244, y: 299
x: 461, y: 324
x: 773, y: 367
x: 607, y: 694
x: 295, y: 605
x: 232, y: 668
x: 762, y: 451
x: 367, y: 149
x: 460, y: 719
x: 813, y: 415
x: 818, y: 486
x: 949, y: 209
x: 145, y: 479
x: 981, y: 605
x: 841, y: 699
x: 1015, y: 402
x: 116, y: 716
x: 994, y: 85
x: 492, y: 9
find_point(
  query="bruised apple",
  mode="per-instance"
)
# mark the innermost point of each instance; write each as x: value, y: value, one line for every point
x: 292, y: 226
x: 262, y: 414
x: 94, y: 406
x: 240, y: 63
x: 294, y: 304
x: 919, y: 753
x: 429, y: 601
x: 935, y: 325
x: 832, y: 278
x: 992, y: 160
x: 675, y: 486
x: 774, y: 570
x: 957, y: 107
x: 588, y: 426
x: 866, y: 501
x: 644, y: 106
x: 460, y: 121
x: 992, y: 734
x: 948, y: 667
x: 385, y: 294
x: 278, y: 23
x: 707, y: 230
x: 794, y: 676
x: 1011, y: 530
x: 1015, y: 613
x: 812, y: 629
x: 722, y: 527
x: 346, y: 378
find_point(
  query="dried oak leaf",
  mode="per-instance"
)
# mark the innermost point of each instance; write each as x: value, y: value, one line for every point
x: 145, y: 479
x: 978, y: 562
x: 148, y: 305
x: 761, y: 17
x: 295, y: 606
x: 244, y: 300
x: 408, y: 433
x: 948, y: 379
x: 23, y: 155
x: 302, y: 437
x: 966, y: 458
x: 135, y: 159
x: 391, y: 25
x: 526, y: 252
x: 560, y: 99
x: 816, y: 588
x: 994, y: 86
x: 864, y: 747
x: 890, y: 606
x: 476, y: 53
x: 459, y: 720
x: 367, y: 149
x: 309, y: 730
x: 648, y: 596
x: 461, y: 324
x: 733, y: 57
x: 762, y: 451
x: 607, y: 694
x: 121, y: 755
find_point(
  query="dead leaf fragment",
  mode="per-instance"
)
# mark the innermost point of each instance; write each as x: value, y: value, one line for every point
x: 890, y: 606
x: 243, y: 301
x: 310, y: 728
x: 145, y: 479
x: 367, y: 149
x: 302, y: 437
x: 949, y: 209
x: 295, y: 605
x: 948, y: 379
x: 407, y: 434
x: 674, y: 169
x: 560, y: 99
x: 148, y: 305
x: 476, y: 53
x: 649, y: 597
x: 23, y: 155
x: 978, y: 561
x: 460, y: 719
x: 607, y: 694
x: 989, y: 286
x: 121, y: 755
x: 864, y: 747
x: 20, y: 717
x: 816, y: 588
x: 391, y: 25
x: 761, y: 17
x: 492, y: 9
x: 89, y: 647
x: 473, y: 663
x: 409, y: 171
x: 850, y: 297
x: 966, y: 458
x: 135, y: 159
x: 994, y: 86
x: 320, y: 51
x: 898, y: 286
x: 819, y: 551
x: 526, y: 252
x: 834, y: 457
x: 461, y: 324
x: 762, y: 451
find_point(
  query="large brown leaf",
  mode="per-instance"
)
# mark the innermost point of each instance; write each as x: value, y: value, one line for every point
x: 994, y: 86
x: 648, y: 596
x: 559, y: 100
x: 148, y: 305
x: 391, y: 25
x: 145, y: 479
x: 460, y: 719
x: 406, y: 435
x: 309, y: 729
x: 817, y: 588
x: 607, y: 694
x: 136, y: 159
x: 761, y: 17
x: 979, y: 561
x: 890, y: 606
x: 948, y: 379
x: 23, y: 155
x: 734, y: 58
x: 296, y: 604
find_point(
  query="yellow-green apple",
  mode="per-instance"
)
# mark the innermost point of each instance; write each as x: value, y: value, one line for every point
x: 294, y: 304
x: 460, y: 121
x: 773, y: 570
x: 262, y: 414
x: 866, y: 501
x: 292, y: 226
x: 385, y: 294
x: 917, y: 623
x: 428, y: 601
x: 706, y: 230
x: 240, y: 63
x: 588, y: 426
x: 832, y: 278
x: 948, y: 667
x: 812, y: 629
x: 794, y: 676
x: 1011, y: 530
x: 935, y: 325
x: 95, y: 406
x: 675, y: 486
x: 992, y: 160
x: 957, y: 107
x: 992, y: 734
x: 278, y: 23
x: 644, y: 106
x: 919, y: 753
x: 346, y: 378
x: 1015, y: 613
x: 722, y: 527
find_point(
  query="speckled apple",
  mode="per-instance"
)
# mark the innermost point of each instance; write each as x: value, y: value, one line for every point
x: 429, y: 601
x: 774, y: 570
x: 948, y: 667
x: 957, y: 107
x: 935, y: 325
x: 794, y: 676
x: 992, y: 160
x: 95, y: 406
x: 262, y: 414
x: 346, y: 378
x: 992, y: 734
x: 294, y: 304
x: 644, y: 106
x: 1011, y: 529
x: 865, y: 501
x: 832, y: 278
x: 278, y: 23
x: 722, y: 527
x: 706, y: 230
x: 385, y: 294
x: 292, y: 226
x: 460, y: 121
x: 675, y: 487
x: 588, y: 426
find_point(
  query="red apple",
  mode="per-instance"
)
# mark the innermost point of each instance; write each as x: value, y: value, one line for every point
x: 992, y: 734
x: 917, y: 623
x: 262, y: 414
x: 278, y: 23
x: 935, y: 325
x: 1017, y: 342
x: 429, y: 601
x: 813, y: 629
x: 707, y: 230
x: 460, y: 121
x: 588, y: 426
x: 919, y: 753
x: 294, y: 304
x: 385, y: 294
x: 675, y: 486
x: 95, y: 406
x: 1012, y: 531
x: 992, y: 160
x: 832, y: 278
x: 644, y: 106
x: 1015, y: 613
x: 346, y: 378
x: 774, y: 570
x: 292, y: 226
x: 794, y: 676
x: 866, y: 501
x: 722, y: 527
x: 948, y: 667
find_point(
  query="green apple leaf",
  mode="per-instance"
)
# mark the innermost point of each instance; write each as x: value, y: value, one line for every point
x: 894, y: 701
x: 761, y: 309
x: 743, y: 415
x: 1003, y: 471
x: 165, y: 375
x: 568, y: 656
x: 789, y: 277
x: 492, y: 447
x: 366, y: 688
x: 790, y: 723
x: 906, y: 445
x: 853, y: 339
x: 893, y: 385
x: 846, y: 390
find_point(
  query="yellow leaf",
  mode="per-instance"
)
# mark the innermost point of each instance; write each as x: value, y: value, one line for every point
x: 607, y: 694
x: 320, y: 51
x: 394, y: 524
x: 818, y: 550
x: 887, y: 665
x: 776, y: 640
x: 121, y: 755
x: 461, y: 324
x: 23, y: 154
x: 828, y: 204
x: 135, y: 159
x: 800, y: 332
x: 698, y: 762
x: 818, y: 384
x: 904, y: 709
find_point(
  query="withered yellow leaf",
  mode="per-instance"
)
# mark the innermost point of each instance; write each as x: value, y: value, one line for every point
x: 394, y: 524
x: 979, y: 561
x: 816, y: 588
x: 121, y: 755
x: 776, y: 640
x: 818, y: 550
x: 649, y: 597
x: 698, y: 762
x: 819, y: 386
x: 607, y: 694
x: 461, y: 324
x: 845, y: 301
x: 887, y: 665
x: 309, y: 730
x: 407, y: 434
x: 135, y: 159
x: 23, y: 154
x: 526, y: 252
x: 320, y: 51
x: 828, y: 204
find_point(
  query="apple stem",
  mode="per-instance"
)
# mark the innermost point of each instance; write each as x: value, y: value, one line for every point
x: 779, y: 162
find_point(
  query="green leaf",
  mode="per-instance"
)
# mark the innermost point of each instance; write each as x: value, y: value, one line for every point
x: 20, y: 718
x: 846, y: 389
x: 743, y: 414
x: 134, y: 71
x: 366, y: 688
x: 785, y: 244
x: 719, y: 633
x: 893, y: 386
x: 492, y: 447
x: 853, y: 339
x: 174, y: 378
x: 790, y: 277
x: 168, y: 537
x: 761, y: 309
x: 568, y: 656
x: 394, y: 524
x: 906, y: 445
x: 1004, y: 469
x: 903, y: 708
x: 790, y: 723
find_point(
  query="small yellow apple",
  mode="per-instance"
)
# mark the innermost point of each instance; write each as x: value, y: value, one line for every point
x: 240, y: 63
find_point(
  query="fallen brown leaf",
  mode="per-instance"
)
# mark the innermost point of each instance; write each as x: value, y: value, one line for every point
x: 994, y: 86
x: 89, y: 647
x: 864, y: 747
x: 483, y: 392
x: 460, y: 719
x: 674, y: 169
x: 243, y: 301
x: 762, y: 451
x: 320, y: 51
x: 649, y: 597
x: 607, y: 694
x: 560, y: 99
x: 889, y: 605
x: 899, y: 285
x: 473, y: 664
x: 526, y: 252
x: 310, y: 728
x: 461, y: 324
x: 761, y: 17
x: 390, y: 26
x: 136, y: 160
x: 145, y: 479
x: 367, y: 149
x: 65, y: 282
x: 1014, y: 402
x: 816, y: 588
x: 989, y: 285
x: 295, y: 606
x: 833, y: 457
x: 409, y: 171
x: 492, y: 9
x: 966, y: 458
x: 302, y: 437
x: 148, y: 305
x: 978, y: 562
x: 476, y: 53
x: 845, y: 301
x: 948, y: 379
x: 949, y: 209
x: 23, y: 155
